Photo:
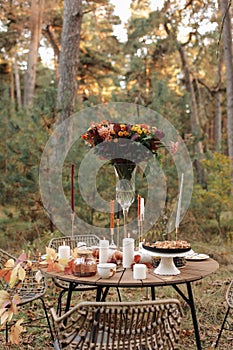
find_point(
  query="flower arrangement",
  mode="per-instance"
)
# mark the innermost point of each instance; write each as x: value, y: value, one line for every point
x: 115, y: 137
x: 121, y: 144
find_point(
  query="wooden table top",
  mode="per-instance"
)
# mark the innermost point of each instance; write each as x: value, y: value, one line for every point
x: 192, y: 271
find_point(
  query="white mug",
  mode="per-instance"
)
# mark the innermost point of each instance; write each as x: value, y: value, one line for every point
x: 106, y: 270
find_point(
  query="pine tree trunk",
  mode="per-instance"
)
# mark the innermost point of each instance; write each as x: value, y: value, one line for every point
x: 68, y: 61
x: 218, y: 122
x: 228, y: 58
x: 218, y: 109
x: 194, y: 118
x: 17, y: 83
x: 12, y: 87
x: 195, y: 122
x: 37, y: 7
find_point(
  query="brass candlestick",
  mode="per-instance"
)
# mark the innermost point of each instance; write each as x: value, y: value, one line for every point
x: 72, y: 224
x: 118, y: 232
x: 176, y: 233
x: 113, y: 245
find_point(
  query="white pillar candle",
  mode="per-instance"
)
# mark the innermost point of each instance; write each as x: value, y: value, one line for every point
x: 139, y: 271
x: 128, y: 252
x: 64, y: 252
x: 103, y: 250
x: 104, y: 243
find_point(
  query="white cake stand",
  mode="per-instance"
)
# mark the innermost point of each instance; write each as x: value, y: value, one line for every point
x: 166, y: 265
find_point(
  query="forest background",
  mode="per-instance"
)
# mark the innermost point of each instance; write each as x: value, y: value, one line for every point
x: 177, y: 60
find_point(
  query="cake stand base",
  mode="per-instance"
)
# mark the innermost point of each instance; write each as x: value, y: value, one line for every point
x: 167, y: 267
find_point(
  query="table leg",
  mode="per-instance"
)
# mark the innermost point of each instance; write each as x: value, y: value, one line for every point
x: 105, y: 293
x: 190, y: 302
x: 118, y: 293
x: 100, y: 294
x: 152, y: 292
x: 69, y: 295
x: 194, y: 316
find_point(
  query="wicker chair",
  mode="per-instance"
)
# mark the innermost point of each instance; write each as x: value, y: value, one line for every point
x: 225, y: 324
x: 90, y: 240
x: 29, y: 290
x: 119, y: 325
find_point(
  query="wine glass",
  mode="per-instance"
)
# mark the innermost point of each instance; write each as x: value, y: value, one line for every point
x: 125, y: 195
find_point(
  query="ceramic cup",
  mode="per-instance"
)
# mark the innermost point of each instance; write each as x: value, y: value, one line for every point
x: 106, y: 270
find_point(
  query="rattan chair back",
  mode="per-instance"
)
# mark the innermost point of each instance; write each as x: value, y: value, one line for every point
x: 72, y: 241
x: 29, y: 289
x: 227, y: 321
x: 90, y: 240
x: 120, y: 325
x: 229, y: 295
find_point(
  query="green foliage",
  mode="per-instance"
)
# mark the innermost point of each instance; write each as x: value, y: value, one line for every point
x: 146, y: 70
x: 23, y: 137
x: 210, y: 202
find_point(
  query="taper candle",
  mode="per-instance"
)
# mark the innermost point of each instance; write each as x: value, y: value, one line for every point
x: 72, y: 188
x: 139, y: 206
x: 142, y: 209
x: 179, y: 203
x: 112, y: 214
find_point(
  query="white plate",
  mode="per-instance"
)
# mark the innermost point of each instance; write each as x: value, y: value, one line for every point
x: 196, y: 256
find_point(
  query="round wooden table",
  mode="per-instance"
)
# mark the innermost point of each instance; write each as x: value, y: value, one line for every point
x: 191, y: 272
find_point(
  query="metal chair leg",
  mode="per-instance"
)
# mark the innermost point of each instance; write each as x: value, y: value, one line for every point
x: 47, y: 318
x: 7, y: 336
x: 223, y: 324
x: 119, y: 294
x: 59, y: 301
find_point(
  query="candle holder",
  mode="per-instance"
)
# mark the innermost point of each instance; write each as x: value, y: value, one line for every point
x: 112, y: 244
x: 176, y: 234
x: 179, y: 205
x: 118, y: 232
x: 139, y: 232
x: 72, y: 224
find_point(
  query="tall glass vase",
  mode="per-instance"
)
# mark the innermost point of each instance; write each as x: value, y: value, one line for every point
x: 125, y: 187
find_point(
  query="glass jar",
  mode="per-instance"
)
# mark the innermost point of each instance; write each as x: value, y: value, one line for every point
x: 85, y: 264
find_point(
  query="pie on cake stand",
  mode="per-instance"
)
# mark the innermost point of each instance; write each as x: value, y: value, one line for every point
x: 167, y: 251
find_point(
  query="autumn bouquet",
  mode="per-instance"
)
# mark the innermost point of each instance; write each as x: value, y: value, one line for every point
x: 121, y: 143
x: 113, y: 136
